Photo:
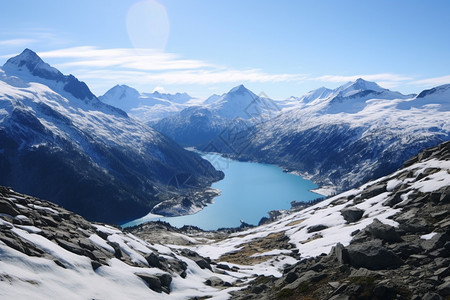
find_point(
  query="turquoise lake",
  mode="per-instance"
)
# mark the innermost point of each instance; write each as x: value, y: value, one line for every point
x: 248, y: 192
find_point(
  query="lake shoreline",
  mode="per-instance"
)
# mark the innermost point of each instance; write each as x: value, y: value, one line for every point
x: 249, y: 191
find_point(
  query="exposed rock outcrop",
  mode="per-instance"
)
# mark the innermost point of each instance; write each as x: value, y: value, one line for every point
x: 408, y: 261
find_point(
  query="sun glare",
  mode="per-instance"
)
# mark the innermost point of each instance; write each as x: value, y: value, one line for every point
x: 148, y: 25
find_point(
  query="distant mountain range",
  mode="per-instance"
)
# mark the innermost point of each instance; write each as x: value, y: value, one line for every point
x: 54, y: 130
x: 59, y: 141
x: 146, y: 107
x: 339, y: 137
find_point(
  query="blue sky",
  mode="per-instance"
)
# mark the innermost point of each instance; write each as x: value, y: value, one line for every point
x: 281, y: 48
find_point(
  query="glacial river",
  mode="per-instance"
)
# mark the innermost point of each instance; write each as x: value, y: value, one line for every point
x: 248, y: 191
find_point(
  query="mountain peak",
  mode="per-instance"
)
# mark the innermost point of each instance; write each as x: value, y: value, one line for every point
x: 442, y: 89
x: 28, y: 64
x: 28, y: 55
x: 29, y: 61
x: 239, y: 89
x: 359, y: 85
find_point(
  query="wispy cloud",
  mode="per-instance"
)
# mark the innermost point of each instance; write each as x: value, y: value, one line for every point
x: 139, y: 59
x: 386, y: 77
x: 191, y: 76
x: 431, y: 82
x: 17, y: 42
x: 386, y: 80
x: 155, y: 67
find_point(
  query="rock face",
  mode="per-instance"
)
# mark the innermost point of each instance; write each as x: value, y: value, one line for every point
x: 407, y: 261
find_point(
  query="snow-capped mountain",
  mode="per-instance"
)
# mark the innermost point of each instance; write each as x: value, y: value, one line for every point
x: 58, y: 141
x: 348, y: 98
x: 324, y: 135
x: 29, y: 66
x: 238, y: 109
x: 239, y: 102
x: 437, y: 97
x: 358, y: 126
x: 147, y: 107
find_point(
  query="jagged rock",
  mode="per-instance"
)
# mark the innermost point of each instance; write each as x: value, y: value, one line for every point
x: 443, y: 272
x: 316, y: 228
x: 153, y: 260
x: 259, y: 289
x: 445, y: 195
x: 215, y: 281
x: 373, y: 256
x: 202, y: 262
x: 438, y: 240
x: 291, y: 277
x: 49, y: 221
x: 405, y: 250
x: 153, y: 281
x: 415, y: 225
x: 223, y: 267
x: 69, y: 246
x: 383, y: 231
x: 373, y: 191
x: 393, y: 200
x: 165, y: 280
x: 352, y: 214
x: 98, y: 255
x: 340, y: 253
x: 6, y: 207
x: 167, y: 264
x: 444, y: 289
x: 431, y: 296
x: 117, y: 251
x: 439, y: 214
x: 95, y: 265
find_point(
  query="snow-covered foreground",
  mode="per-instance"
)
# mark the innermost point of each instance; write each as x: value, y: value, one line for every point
x: 328, y: 213
x: 25, y: 277
x: 51, y: 269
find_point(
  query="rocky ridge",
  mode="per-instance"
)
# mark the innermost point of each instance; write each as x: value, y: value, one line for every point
x: 36, y: 233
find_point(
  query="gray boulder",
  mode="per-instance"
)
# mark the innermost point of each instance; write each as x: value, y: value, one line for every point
x: 383, y: 231
x: 316, y: 228
x: 352, y: 214
x: 373, y: 256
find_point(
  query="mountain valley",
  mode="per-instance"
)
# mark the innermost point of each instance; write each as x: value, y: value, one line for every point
x: 387, y: 239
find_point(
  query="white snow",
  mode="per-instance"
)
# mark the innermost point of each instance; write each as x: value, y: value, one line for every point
x: 101, y: 243
x: 428, y: 236
x: 38, y: 207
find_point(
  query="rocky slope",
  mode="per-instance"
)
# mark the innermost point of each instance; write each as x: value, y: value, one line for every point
x: 388, y: 239
x: 47, y: 252
x: 407, y: 257
x: 59, y: 142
